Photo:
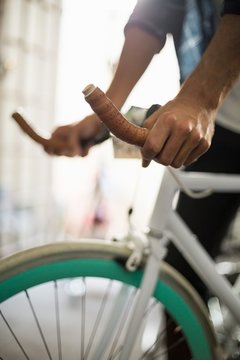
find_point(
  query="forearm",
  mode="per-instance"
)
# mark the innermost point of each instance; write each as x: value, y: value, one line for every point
x: 138, y: 51
x: 219, y: 68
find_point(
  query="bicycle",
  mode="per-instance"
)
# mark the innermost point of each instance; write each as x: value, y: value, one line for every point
x: 135, y: 282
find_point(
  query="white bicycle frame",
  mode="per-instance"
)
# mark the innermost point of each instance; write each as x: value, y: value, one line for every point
x: 165, y: 224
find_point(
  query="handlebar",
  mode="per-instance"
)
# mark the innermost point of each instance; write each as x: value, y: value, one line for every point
x: 114, y: 121
x: 112, y: 118
x: 45, y: 142
x: 27, y: 128
x: 107, y: 112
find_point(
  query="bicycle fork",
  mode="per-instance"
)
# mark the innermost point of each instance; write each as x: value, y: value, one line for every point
x: 148, y: 284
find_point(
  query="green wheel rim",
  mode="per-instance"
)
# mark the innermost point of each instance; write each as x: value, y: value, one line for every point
x: 110, y: 269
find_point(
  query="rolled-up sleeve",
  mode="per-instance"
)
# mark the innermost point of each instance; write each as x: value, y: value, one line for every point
x: 159, y: 17
x: 231, y: 7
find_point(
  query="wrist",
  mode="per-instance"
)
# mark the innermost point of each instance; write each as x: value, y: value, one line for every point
x: 219, y: 67
x: 201, y: 92
x: 197, y: 106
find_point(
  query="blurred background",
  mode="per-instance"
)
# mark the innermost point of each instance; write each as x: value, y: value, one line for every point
x: 49, y: 51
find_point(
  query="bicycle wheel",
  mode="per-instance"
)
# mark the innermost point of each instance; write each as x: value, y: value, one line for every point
x: 40, y: 320
x: 226, y: 327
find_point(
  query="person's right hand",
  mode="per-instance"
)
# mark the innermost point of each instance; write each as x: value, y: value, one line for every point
x: 75, y: 139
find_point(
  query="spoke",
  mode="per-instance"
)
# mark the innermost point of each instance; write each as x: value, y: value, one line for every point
x: 120, y: 328
x: 159, y: 352
x: 98, y: 318
x: 117, y: 352
x: 83, y: 310
x: 158, y: 339
x: 58, y: 324
x: 150, y: 308
x: 15, y: 337
x: 38, y: 325
x: 173, y: 346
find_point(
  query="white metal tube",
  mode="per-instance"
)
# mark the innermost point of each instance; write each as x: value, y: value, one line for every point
x: 216, y: 182
x: 163, y: 203
x: 147, y: 288
x: 202, y: 263
x: 236, y: 286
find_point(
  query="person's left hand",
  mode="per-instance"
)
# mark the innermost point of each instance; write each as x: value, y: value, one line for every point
x: 179, y: 133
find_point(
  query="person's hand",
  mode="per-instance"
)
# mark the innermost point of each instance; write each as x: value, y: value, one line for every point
x: 75, y: 139
x: 180, y: 132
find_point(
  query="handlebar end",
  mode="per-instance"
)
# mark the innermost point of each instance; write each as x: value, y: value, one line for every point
x: 88, y: 89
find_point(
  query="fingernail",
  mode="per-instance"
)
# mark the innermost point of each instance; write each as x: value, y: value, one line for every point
x: 145, y: 163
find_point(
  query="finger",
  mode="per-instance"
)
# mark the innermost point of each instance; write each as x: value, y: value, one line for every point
x: 155, y: 141
x: 85, y: 150
x: 145, y: 163
x: 59, y: 151
x: 172, y: 147
x: 191, y: 143
x: 60, y: 146
x: 67, y: 153
x: 74, y: 145
x: 61, y: 131
x: 48, y: 150
x: 197, y: 152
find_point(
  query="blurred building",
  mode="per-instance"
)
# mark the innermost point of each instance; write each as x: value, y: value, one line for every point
x: 29, y: 34
x: 46, y: 58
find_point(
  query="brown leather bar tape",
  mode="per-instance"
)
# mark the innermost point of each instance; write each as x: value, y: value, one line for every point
x: 24, y: 125
x: 112, y: 118
x: 58, y: 143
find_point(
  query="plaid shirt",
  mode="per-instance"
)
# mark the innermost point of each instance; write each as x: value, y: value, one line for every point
x: 191, y: 22
x: 198, y: 28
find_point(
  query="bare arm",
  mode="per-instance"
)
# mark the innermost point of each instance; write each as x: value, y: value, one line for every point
x: 219, y: 67
x: 182, y: 130
x: 138, y: 51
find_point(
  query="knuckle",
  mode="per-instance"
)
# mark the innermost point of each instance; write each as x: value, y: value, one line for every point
x: 204, y: 145
x: 196, y: 136
x: 168, y: 119
x: 152, y: 147
x: 183, y: 129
